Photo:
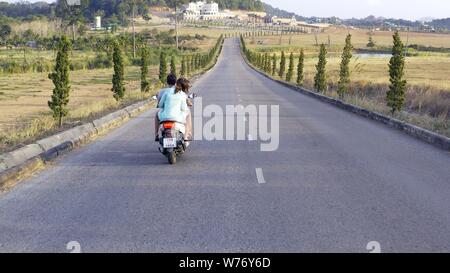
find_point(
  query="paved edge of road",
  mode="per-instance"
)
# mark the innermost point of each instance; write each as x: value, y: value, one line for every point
x: 425, y: 135
x: 21, y: 163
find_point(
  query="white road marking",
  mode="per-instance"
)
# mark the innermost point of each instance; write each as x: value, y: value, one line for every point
x: 260, y: 176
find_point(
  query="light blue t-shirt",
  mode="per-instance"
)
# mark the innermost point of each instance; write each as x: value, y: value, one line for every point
x: 162, y: 92
x: 173, y: 107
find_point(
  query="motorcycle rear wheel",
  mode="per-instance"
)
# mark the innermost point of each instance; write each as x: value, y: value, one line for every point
x: 172, y: 157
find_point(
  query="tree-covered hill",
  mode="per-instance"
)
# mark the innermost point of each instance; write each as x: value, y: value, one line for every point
x: 281, y: 13
x: 441, y: 23
x: 109, y: 8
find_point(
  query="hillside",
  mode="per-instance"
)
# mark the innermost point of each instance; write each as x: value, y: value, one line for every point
x: 441, y: 23
x: 117, y: 11
x: 111, y: 8
x: 282, y: 13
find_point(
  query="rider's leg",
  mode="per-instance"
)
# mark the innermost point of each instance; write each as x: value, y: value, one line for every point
x: 157, y: 126
x: 189, y: 126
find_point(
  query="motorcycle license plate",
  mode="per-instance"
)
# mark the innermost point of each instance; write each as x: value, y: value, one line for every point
x: 170, y: 143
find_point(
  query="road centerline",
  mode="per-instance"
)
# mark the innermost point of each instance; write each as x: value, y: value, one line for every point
x: 260, y: 176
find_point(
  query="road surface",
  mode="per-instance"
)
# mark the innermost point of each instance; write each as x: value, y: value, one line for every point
x: 337, y: 182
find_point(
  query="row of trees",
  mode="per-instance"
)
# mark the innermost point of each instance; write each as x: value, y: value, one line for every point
x: 61, y: 75
x: 269, y: 64
x: 395, y: 95
x: 189, y: 63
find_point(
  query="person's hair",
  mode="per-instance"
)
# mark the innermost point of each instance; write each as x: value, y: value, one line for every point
x: 171, y: 79
x: 182, y: 85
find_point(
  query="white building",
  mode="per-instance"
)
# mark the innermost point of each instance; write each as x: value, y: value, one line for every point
x: 284, y: 21
x: 210, y: 9
x: 204, y: 11
x: 98, y: 24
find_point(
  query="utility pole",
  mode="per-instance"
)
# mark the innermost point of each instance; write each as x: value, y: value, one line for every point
x: 176, y: 24
x: 134, y: 30
x: 67, y: 5
x: 407, y: 43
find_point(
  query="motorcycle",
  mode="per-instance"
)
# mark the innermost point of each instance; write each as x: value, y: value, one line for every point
x: 172, y: 138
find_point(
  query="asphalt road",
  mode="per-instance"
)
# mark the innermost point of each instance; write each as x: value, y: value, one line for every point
x: 336, y: 182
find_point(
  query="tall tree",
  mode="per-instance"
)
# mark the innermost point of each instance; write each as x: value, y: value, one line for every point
x: 320, y: 80
x: 162, y: 67
x: 290, y: 72
x: 5, y: 31
x: 266, y: 62
x: 193, y: 63
x: 197, y: 61
x: 371, y: 42
x: 282, y: 65
x: 344, y: 73
x: 173, y: 66
x: 188, y: 66
x: 396, y: 94
x: 145, y: 84
x: 183, y: 67
x: 118, y: 78
x: 274, y: 64
x: 301, y: 68
x: 61, y: 81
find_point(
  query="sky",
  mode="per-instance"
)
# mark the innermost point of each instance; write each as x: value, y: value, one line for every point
x: 406, y: 9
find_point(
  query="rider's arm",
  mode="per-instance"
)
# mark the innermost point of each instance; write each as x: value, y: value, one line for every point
x: 162, y: 101
x: 184, y: 105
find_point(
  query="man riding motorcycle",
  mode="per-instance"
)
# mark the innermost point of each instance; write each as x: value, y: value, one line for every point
x: 171, y: 81
x: 175, y: 119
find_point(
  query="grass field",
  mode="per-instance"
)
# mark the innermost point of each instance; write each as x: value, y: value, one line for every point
x: 24, y: 96
x: 427, y: 69
x: 427, y: 73
x: 360, y: 37
x: 23, y: 103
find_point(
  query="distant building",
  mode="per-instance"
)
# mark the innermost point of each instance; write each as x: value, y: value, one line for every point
x: 204, y: 11
x: 98, y: 24
x: 74, y: 2
x: 284, y: 21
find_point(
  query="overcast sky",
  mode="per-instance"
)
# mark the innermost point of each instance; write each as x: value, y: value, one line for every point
x: 407, y: 9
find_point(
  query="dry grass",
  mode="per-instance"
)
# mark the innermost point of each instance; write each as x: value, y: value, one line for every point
x: 432, y: 71
x: 23, y: 99
x: 23, y: 102
x: 425, y: 106
x: 428, y: 74
x: 360, y: 38
x: 429, y: 69
x: 42, y: 27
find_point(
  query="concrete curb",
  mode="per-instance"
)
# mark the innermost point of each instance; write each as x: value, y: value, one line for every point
x: 427, y: 136
x: 16, y: 164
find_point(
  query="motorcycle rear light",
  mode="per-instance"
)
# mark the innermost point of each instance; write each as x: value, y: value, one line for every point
x: 169, y: 125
